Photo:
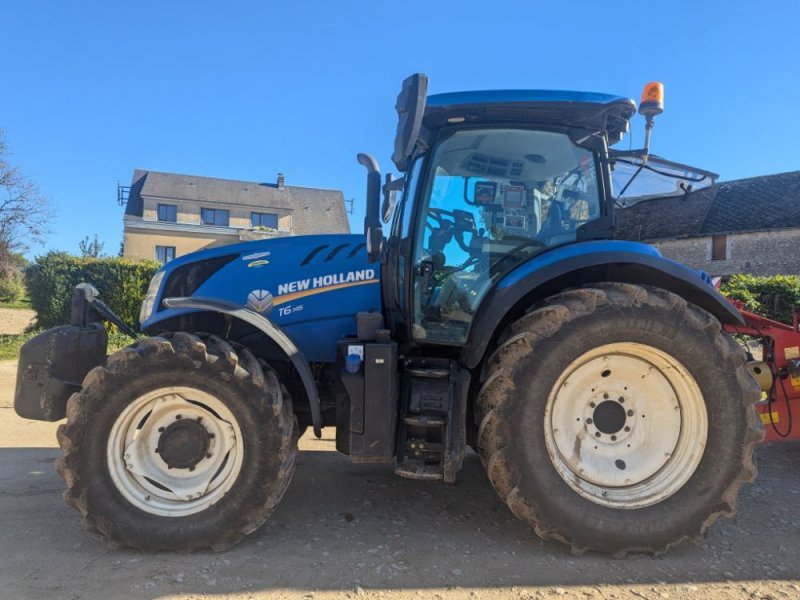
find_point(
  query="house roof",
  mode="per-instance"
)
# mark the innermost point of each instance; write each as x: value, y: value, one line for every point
x: 738, y: 206
x: 314, y: 210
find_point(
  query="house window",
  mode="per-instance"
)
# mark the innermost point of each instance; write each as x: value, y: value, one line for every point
x: 167, y: 212
x: 214, y: 216
x: 165, y: 253
x: 264, y: 220
x: 719, y: 247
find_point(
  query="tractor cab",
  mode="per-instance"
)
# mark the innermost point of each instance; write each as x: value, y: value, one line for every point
x: 492, y: 179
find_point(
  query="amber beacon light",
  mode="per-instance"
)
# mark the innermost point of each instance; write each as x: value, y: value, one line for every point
x: 652, y: 104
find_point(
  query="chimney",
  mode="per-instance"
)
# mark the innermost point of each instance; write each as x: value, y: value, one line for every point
x: 281, y: 184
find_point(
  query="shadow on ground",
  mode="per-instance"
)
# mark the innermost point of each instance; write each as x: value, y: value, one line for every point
x: 343, y: 526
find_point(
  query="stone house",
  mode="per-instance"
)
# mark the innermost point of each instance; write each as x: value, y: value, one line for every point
x: 741, y: 226
x: 169, y: 215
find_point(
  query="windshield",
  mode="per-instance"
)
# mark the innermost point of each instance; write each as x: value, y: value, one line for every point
x: 493, y: 198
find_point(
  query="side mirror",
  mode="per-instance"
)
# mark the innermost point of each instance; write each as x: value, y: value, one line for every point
x: 390, y: 189
x: 373, y: 231
x: 410, y: 110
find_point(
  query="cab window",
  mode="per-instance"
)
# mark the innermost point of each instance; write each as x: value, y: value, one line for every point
x: 494, y: 198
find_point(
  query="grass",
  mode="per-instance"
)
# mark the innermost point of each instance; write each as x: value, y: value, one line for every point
x: 21, y: 303
x: 10, y: 344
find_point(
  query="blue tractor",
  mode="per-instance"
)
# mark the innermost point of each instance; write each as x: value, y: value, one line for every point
x: 496, y: 312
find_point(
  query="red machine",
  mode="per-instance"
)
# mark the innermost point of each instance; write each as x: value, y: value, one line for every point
x: 778, y: 372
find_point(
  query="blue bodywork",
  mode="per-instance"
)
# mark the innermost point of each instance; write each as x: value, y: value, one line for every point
x: 505, y: 96
x: 562, y: 253
x: 317, y: 284
x: 312, y: 286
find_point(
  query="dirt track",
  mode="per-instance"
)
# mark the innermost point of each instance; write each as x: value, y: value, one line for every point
x: 15, y: 320
x: 347, y: 530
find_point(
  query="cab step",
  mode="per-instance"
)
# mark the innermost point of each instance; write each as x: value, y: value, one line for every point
x: 419, y: 469
x: 430, y: 436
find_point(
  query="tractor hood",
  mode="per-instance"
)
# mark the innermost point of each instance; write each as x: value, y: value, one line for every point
x: 310, y: 286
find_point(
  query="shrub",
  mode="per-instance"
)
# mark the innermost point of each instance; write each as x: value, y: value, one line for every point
x: 773, y: 297
x: 122, y: 284
x: 11, y: 287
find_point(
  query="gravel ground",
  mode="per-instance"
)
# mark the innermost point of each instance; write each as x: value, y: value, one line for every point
x: 353, y: 531
x: 15, y: 320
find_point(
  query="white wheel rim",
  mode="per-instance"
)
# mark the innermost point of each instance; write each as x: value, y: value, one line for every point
x: 146, y: 480
x: 625, y: 425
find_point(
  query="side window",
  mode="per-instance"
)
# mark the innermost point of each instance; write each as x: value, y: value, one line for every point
x: 494, y: 198
x: 402, y: 227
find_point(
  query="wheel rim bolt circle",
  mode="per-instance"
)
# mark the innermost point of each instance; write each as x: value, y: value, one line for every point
x: 624, y: 432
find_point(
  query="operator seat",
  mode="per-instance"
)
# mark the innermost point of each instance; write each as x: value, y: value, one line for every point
x: 553, y: 224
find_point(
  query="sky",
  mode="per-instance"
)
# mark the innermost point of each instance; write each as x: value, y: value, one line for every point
x: 91, y: 90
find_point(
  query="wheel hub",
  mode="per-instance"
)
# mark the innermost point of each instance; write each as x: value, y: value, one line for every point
x: 183, y: 444
x: 609, y: 417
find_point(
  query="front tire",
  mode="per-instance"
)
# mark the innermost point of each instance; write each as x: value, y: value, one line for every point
x: 177, y: 443
x: 618, y: 418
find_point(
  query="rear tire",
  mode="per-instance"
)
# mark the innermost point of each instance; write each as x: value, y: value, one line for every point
x: 177, y: 443
x: 563, y: 413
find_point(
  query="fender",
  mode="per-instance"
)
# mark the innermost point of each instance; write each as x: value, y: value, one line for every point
x: 588, y: 262
x: 270, y: 330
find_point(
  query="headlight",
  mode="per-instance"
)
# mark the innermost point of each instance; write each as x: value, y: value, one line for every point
x: 150, y: 299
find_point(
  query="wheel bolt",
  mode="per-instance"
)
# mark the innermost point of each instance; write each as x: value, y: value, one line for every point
x: 589, y: 421
x: 591, y: 404
x: 630, y: 413
x: 209, y: 455
x: 178, y: 417
x: 160, y: 429
x: 191, y: 468
x: 613, y: 438
x: 211, y: 435
x: 157, y: 450
x: 605, y: 395
x: 199, y: 419
x: 621, y: 400
x: 597, y: 434
x: 627, y: 428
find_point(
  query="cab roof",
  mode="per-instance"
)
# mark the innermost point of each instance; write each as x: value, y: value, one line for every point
x: 590, y: 110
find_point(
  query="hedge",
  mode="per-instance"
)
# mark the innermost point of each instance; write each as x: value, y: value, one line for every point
x: 122, y: 284
x: 773, y: 297
x: 11, y: 287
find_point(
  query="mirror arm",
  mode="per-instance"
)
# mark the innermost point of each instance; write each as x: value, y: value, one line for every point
x: 373, y: 231
x: 648, y: 127
x: 390, y: 189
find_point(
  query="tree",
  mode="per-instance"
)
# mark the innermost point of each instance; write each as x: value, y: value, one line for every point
x: 24, y: 213
x: 91, y: 248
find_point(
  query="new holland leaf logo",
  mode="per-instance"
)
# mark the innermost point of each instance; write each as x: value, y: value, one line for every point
x: 260, y: 301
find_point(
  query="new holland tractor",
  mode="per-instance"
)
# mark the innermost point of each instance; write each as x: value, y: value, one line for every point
x: 610, y: 408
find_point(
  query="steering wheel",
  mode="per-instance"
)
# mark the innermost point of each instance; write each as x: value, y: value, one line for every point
x: 457, y: 223
x: 438, y: 214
